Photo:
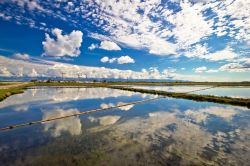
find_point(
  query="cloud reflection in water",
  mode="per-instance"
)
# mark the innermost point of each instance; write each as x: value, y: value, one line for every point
x: 44, y: 96
x: 71, y: 125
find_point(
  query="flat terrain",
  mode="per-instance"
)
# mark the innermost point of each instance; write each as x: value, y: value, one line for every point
x: 8, y: 89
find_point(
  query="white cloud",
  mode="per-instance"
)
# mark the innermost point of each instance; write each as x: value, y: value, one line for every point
x: 212, y: 71
x: 108, y: 60
x: 93, y: 46
x: 105, y: 120
x: 226, y: 113
x: 105, y: 45
x: 200, y: 69
x: 190, y: 25
x: 71, y: 125
x: 225, y: 54
x: 125, y: 59
x: 53, y: 96
x: 109, y: 45
x: 63, y: 45
x: 105, y: 59
x: 169, y: 31
x: 21, y: 56
x: 120, y: 60
x: 32, y: 5
x: 108, y: 120
x: 237, y: 26
x: 202, y: 52
x: 197, y: 51
x: 202, y: 115
x: 234, y: 67
x: 124, y: 108
x: 33, y: 73
x: 203, y: 69
x: 20, y: 68
x: 5, y: 72
x: 187, y: 138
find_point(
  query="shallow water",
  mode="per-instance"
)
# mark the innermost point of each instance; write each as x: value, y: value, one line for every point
x: 161, y: 132
x: 238, y: 92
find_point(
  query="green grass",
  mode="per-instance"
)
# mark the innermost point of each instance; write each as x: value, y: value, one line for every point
x: 71, y: 84
x: 208, y: 98
x: 195, y: 97
x: 142, y: 83
x: 4, y: 93
x: 183, y: 83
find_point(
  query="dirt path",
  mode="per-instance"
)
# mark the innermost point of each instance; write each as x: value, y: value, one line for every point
x: 13, y: 85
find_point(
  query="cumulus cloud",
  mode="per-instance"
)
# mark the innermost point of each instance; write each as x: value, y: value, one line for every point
x: 225, y: 54
x: 33, y: 73
x: 22, y: 56
x: 63, y: 45
x: 105, y: 45
x: 125, y: 59
x: 202, y: 52
x: 108, y: 60
x: 93, y: 46
x: 200, y: 69
x: 234, y: 67
x: 20, y: 68
x: 121, y: 60
x: 109, y: 45
x: 5, y: 72
x: 150, y: 25
x: 203, y: 69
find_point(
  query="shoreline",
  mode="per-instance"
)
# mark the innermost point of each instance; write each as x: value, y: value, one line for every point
x: 4, y: 93
x: 195, y: 97
x: 13, y: 89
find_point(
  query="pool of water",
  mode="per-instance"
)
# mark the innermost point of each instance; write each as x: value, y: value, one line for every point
x: 167, y: 131
x: 237, y: 92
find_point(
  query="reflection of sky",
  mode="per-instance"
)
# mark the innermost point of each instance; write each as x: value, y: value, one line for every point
x: 181, y: 133
x: 171, y: 88
x: 57, y: 95
x: 202, y: 115
x: 124, y: 108
x: 239, y: 92
x: 72, y: 124
x: 105, y: 120
x: 193, y: 133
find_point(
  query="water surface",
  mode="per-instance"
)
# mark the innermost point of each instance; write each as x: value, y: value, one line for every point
x: 161, y: 132
x: 237, y: 92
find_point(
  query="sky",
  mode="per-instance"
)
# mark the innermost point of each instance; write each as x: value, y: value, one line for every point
x: 194, y: 40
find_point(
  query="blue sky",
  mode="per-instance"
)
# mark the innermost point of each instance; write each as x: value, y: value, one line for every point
x: 199, y: 40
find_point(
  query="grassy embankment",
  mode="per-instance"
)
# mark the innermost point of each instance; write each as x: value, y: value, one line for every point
x: 195, y: 97
x: 11, y: 90
x: 101, y: 84
x: 223, y: 100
